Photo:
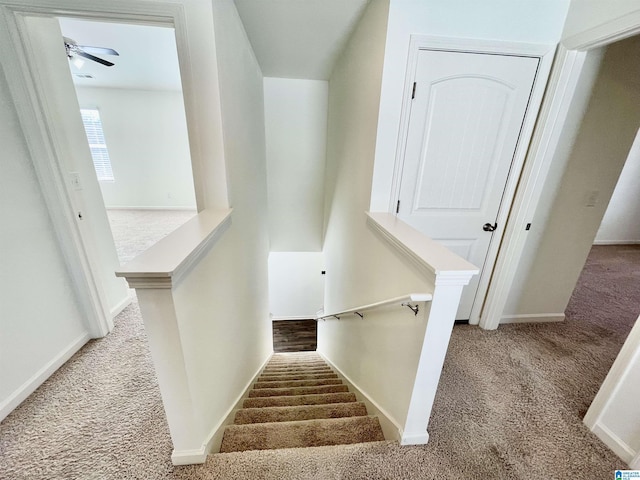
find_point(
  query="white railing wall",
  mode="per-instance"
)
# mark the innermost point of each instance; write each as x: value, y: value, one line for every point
x: 206, y: 342
x: 391, y: 357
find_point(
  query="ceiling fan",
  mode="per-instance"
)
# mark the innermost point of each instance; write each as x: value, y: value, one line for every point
x: 74, y: 50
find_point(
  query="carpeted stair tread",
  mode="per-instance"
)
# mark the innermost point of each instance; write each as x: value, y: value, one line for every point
x: 285, y: 401
x: 318, y: 369
x: 306, y: 433
x: 296, y: 376
x: 297, y: 383
x: 302, y: 412
x: 279, y: 392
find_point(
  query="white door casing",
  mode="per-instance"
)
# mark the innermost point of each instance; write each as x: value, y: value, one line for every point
x: 464, y: 124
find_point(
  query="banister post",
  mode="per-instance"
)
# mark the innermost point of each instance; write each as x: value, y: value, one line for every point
x: 440, y: 318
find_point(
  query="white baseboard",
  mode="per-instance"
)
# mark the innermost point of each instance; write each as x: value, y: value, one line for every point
x: 533, y: 318
x: 115, y: 311
x: 185, y: 209
x: 390, y: 427
x: 617, y: 242
x: 305, y: 317
x: 611, y: 440
x: 27, y: 388
x: 214, y: 439
x: 420, y: 438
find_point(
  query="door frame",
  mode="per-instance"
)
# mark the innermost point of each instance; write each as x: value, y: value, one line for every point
x: 29, y: 94
x: 544, y: 53
x: 546, y: 140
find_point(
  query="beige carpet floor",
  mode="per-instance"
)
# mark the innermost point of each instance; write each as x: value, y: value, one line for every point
x: 134, y: 231
x: 509, y: 406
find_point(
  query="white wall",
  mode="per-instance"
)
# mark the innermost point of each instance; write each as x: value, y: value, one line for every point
x: 40, y: 319
x: 532, y: 21
x: 614, y: 415
x: 296, y: 135
x: 147, y: 139
x: 225, y: 298
x: 379, y: 355
x: 593, y: 165
x: 621, y: 222
x: 296, y: 284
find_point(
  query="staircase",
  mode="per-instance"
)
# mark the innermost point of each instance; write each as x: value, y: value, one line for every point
x: 298, y: 401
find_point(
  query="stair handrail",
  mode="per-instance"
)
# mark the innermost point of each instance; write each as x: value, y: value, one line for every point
x: 404, y: 301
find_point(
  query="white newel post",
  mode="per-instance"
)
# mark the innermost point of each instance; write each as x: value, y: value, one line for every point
x: 440, y: 320
x: 155, y: 297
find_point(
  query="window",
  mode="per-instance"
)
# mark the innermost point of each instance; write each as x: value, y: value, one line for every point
x: 95, y: 136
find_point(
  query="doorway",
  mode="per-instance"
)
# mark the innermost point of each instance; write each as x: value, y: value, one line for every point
x: 133, y: 114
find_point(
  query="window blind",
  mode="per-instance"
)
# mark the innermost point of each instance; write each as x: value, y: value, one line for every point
x: 95, y: 136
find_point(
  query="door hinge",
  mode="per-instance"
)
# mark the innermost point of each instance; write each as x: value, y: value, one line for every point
x: 413, y: 92
x: 398, y: 207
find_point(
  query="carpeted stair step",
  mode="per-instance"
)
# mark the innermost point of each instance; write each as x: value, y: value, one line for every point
x: 302, y: 412
x: 315, y: 382
x: 280, y: 370
x: 279, y: 392
x: 306, y: 433
x: 286, y: 401
x: 296, y: 376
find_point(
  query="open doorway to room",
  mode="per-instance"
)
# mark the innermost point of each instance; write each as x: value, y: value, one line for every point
x: 608, y: 289
x: 133, y: 114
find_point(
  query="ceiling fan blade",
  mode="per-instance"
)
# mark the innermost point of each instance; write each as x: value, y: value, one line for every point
x: 91, y: 57
x: 99, y: 50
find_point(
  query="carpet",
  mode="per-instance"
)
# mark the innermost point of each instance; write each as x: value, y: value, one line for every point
x: 509, y: 405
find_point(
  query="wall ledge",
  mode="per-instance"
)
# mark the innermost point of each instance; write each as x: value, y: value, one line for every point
x: 435, y: 260
x: 168, y: 261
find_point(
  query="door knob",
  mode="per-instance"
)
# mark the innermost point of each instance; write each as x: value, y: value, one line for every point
x: 487, y: 227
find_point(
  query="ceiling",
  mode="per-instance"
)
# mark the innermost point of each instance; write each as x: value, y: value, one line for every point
x: 148, y: 57
x: 299, y: 38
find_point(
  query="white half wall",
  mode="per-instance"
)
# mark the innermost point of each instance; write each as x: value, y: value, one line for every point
x: 580, y: 185
x: 41, y: 323
x: 296, y: 135
x: 380, y: 355
x: 148, y: 144
x: 296, y: 284
x: 532, y: 21
x: 614, y: 415
x: 621, y: 222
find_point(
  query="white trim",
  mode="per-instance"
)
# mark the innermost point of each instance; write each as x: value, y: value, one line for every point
x: 415, y: 438
x: 562, y: 84
x: 543, y: 52
x: 605, y: 33
x: 390, y: 426
x: 28, y: 387
x: 115, y: 311
x: 617, y: 242
x: 611, y: 440
x: 279, y: 318
x: 619, y: 370
x: 635, y: 462
x: 214, y: 439
x: 34, y: 119
x: 181, y: 209
x: 533, y: 318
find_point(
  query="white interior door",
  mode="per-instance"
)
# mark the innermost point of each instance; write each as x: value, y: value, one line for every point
x: 465, y: 121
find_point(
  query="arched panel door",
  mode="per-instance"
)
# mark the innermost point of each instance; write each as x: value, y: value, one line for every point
x: 465, y: 121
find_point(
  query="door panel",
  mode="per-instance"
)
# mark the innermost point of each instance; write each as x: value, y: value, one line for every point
x: 464, y: 126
